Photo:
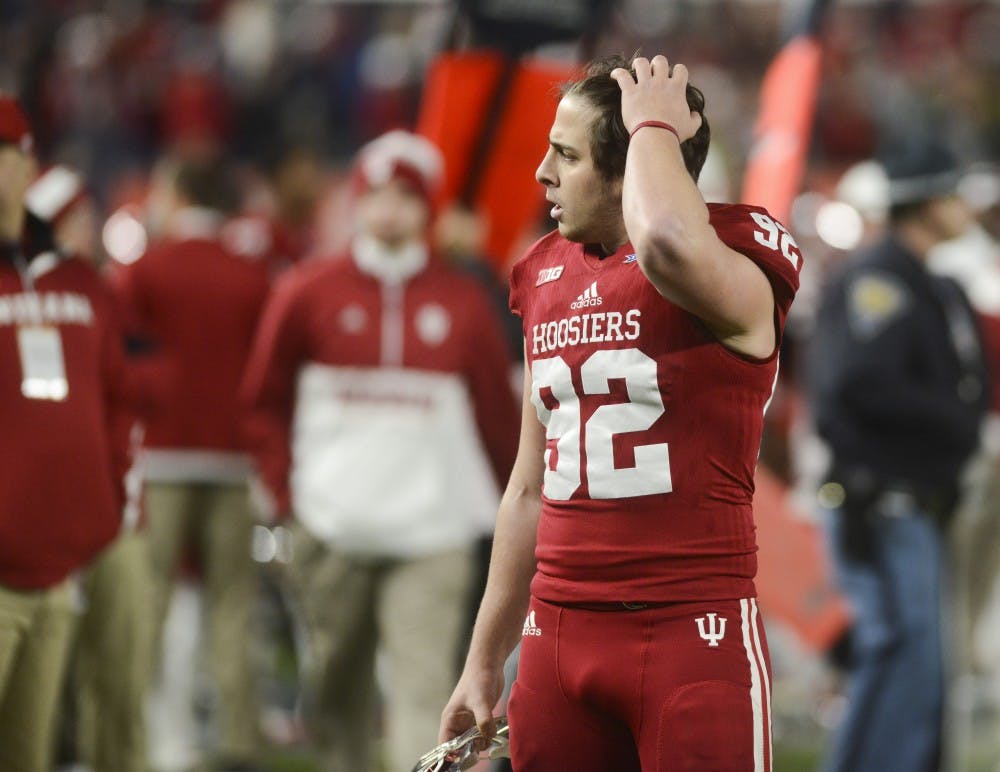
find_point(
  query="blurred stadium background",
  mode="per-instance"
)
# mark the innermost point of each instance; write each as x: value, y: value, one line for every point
x: 291, y: 89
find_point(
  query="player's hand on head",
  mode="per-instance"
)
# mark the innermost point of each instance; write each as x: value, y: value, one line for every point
x: 658, y: 92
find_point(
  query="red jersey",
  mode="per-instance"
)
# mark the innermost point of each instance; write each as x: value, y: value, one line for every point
x: 198, y: 303
x: 653, y: 427
x: 64, y: 456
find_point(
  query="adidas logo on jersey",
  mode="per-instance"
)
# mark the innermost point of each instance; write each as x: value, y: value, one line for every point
x: 530, y: 628
x: 588, y: 298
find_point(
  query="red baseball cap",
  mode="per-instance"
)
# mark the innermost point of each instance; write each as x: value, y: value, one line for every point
x: 14, y: 126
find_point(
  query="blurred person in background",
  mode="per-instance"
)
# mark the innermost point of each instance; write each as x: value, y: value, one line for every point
x: 192, y: 304
x: 112, y: 659
x: 973, y: 259
x: 65, y: 416
x: 278, y: 223
x: 626, y: 567
x: 460, y: 235
x: 386, y: 424
x: 898, y: 388
x: 297, y: 179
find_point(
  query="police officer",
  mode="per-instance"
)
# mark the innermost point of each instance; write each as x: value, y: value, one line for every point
x: 897, y: 385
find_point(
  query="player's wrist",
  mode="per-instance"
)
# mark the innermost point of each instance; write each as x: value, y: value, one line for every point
x: 484, y: 661
x: 654, y: 125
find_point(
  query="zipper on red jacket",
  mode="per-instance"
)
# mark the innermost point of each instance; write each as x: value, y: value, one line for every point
x: 393, y: 329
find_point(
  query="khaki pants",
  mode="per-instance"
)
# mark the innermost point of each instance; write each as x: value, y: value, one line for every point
x: 114, y: 658
x: 413, y: 612
x: 975, y: 562
x: 975, y: 550
x: 35, y: 632
x: 215, y: 519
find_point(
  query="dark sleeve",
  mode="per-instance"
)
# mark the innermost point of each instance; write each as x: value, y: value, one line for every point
x: 867, y: 372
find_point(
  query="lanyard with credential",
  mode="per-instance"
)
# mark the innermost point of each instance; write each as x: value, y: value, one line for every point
x: 43, y: 366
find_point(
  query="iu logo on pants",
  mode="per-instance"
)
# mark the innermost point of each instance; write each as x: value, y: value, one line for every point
x: 715, y: 633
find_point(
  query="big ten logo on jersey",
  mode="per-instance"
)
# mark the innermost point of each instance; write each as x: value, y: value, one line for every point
x: 549, y: 274
x: 774, y: 235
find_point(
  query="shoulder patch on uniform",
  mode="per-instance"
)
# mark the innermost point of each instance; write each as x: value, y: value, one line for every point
x: 874, y: 300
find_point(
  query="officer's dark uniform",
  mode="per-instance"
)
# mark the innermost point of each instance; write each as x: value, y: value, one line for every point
x: 897, y: 377
x: 898, y: 389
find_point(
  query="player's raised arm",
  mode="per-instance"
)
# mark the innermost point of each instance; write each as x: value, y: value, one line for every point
x: 667, y: 219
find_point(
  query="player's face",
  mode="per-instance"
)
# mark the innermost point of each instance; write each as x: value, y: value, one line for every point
x: 586, y: 206
x: 394, y: 213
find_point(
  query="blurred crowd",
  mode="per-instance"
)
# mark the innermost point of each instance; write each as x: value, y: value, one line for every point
x: 113, y: 85
x: 239, y: 125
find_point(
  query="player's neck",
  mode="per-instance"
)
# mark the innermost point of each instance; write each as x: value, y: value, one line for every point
x: 607, y: 248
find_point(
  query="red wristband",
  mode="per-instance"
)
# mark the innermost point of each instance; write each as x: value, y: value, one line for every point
x: 657, y: 125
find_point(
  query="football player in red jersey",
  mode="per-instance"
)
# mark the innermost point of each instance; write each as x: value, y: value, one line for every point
x: 625, y: 538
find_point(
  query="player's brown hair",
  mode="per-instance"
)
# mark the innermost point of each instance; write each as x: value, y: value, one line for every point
x: 608, y: 137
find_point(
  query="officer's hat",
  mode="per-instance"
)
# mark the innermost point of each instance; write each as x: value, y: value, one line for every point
x: 919, y: 168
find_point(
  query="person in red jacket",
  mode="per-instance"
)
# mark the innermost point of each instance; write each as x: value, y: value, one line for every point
x: 192, y: 304
x: 107, y: 685
x: 386, y: 424
x: 65, y: 415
